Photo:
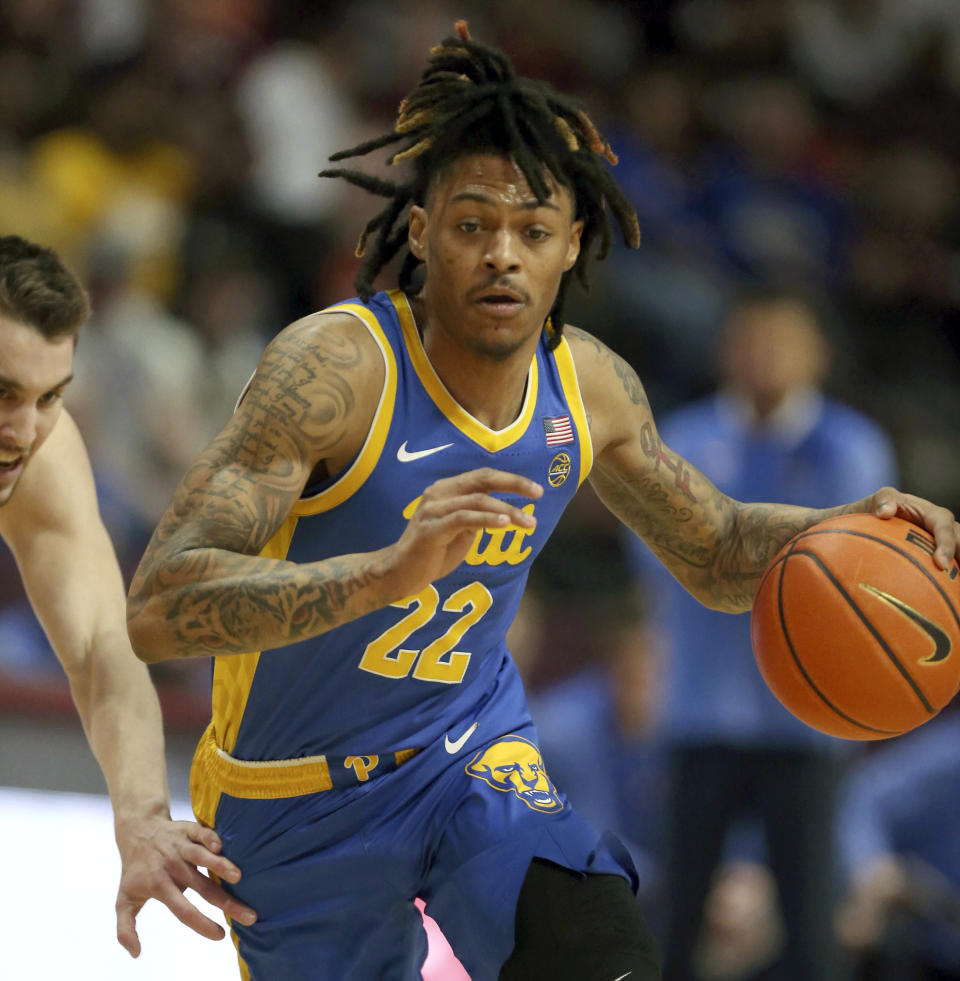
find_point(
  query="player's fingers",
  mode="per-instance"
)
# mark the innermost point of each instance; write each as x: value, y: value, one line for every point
x: 127, y: 927
x: 488, y: 480
x: 189, y: 877
x: 198, y: 855
x: 215, y: 895
x: 946, y: 533
x: 886, y: 502
x: 498, y: 512
x: 205, y: 836
x: 451, y: 525
x: 189, y: 915
x: 941, y: 523
x: 938, y: 520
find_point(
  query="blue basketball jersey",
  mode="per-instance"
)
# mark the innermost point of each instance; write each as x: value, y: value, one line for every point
x: 402, y: 676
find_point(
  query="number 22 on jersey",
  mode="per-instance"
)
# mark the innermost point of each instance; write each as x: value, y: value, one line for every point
x: 438, y: 661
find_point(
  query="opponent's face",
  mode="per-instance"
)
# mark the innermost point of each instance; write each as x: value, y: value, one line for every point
x: 494, y: 256
x: 33, y: 374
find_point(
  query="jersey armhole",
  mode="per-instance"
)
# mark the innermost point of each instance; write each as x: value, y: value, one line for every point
x: 571, y: 390
x: 352, y: 479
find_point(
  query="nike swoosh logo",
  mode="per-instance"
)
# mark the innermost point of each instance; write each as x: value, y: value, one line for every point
x: 622, y: 976
x: 455, y: 745
x: 407, y: 456
x: 940, y: 638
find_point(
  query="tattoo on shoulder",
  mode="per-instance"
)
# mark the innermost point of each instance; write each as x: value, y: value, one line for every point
x: 582, y: 335
x: 630, y: 381
x: 242, y: 487
x: 628, y: 377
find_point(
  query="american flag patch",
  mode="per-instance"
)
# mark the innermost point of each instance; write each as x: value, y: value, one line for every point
x: 558, y: 430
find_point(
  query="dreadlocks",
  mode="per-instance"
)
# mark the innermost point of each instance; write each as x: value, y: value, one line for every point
x: 470, y: 100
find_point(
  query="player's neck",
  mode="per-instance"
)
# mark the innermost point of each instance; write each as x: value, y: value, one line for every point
x: 491, y: 389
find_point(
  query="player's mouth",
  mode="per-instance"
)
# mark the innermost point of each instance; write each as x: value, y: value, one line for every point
x: 501, y: 302
x: 10, y: 465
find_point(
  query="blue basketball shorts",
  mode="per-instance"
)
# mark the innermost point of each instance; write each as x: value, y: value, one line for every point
x: 333, y: 874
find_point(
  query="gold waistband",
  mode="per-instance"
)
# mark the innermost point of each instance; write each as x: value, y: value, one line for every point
x: 215, y: 771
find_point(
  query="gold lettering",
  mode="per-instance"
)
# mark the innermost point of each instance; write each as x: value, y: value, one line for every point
x: 362, y: 765
x: 488, y: 546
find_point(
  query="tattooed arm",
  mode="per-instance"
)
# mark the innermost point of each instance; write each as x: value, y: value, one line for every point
x: 202, y: 587
x: 717, y: 548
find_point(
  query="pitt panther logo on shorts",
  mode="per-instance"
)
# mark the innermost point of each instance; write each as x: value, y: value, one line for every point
x: 514, y: 764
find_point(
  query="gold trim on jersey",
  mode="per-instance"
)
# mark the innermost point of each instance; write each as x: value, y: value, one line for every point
x: 244, y: 970
x: 351, y: 480
x: 490, y: 439
x: 233, y: 673
x: 255, y: 780
x: 571, y: 390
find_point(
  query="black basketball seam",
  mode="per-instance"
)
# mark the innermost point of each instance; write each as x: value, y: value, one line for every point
x: 886, y: 649
x: 799, y: 663
x: 896, y: 548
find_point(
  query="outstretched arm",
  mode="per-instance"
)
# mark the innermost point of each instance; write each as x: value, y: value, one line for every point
x: 717, y: 548
x: 203, y: 588
x: 71, y: 575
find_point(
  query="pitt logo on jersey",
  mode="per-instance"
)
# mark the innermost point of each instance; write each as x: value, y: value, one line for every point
x: 514, y: 764
x: 492, y: 546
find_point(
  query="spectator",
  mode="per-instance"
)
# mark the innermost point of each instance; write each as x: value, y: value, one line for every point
x: 768, y: 434
x: 898, y: 846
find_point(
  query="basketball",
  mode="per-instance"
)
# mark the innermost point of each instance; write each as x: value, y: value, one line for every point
x: 855, y: 628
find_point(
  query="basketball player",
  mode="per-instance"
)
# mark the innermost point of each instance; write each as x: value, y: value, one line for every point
x: 352, y: 548
x: 50, y: 520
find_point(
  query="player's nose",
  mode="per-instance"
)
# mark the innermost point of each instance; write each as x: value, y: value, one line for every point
x: 501, y: 252
x: 18, y: 428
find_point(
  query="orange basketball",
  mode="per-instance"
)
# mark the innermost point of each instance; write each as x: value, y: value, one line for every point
x: 857, y: 630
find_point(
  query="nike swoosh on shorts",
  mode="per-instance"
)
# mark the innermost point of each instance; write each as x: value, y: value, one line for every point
x: 455, y: 745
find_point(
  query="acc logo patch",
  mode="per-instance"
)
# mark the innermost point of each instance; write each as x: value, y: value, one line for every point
x: 559, y: 469
x: 514, y: 765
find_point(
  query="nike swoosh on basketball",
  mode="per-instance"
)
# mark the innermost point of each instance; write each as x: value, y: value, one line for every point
x: 455, y: 745
x: 622, y: 976
x: 408, y: 456
x: 940, y: 638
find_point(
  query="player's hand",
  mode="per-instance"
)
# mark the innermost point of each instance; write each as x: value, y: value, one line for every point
x: 862, y: 916
x: 160, y: 859
x: 888, y: 502
x: 447, y: 519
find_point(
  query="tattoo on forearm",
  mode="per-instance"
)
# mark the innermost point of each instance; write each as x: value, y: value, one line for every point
x: 655, y: 513
x: 246, y: 607
x: 719, y: 548
x: 653, y: 448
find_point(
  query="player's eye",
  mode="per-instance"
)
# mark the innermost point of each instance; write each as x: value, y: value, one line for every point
x: 469, y: 226
x: 537, y: 233
x: 48, y: 398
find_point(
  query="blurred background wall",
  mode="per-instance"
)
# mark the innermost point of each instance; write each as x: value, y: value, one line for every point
x: 168, y: 149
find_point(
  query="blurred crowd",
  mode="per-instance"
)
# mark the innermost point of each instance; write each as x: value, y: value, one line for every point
x: 169, y: 150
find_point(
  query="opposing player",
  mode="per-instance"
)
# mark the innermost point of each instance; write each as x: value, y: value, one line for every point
x: 353, y: 545
x: 50, y: 520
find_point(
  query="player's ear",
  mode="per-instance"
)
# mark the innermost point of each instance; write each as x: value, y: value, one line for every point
x: 417, y: 233
x: 573, y: 245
